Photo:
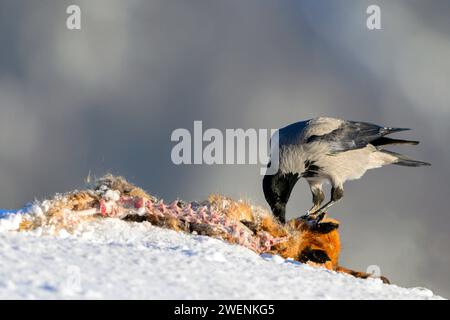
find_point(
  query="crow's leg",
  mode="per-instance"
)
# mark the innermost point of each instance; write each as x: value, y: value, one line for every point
x: 317, y: 194
x: 337, y: 192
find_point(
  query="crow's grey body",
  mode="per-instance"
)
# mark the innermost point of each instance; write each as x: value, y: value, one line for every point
x: 328, y: 150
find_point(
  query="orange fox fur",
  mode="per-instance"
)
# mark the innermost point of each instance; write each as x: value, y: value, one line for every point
x: 304, y: 239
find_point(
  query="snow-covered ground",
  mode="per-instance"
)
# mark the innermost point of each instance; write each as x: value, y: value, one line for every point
x: 113, y: 259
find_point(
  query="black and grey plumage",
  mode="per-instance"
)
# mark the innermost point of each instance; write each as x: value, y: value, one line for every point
x: 329, y: 150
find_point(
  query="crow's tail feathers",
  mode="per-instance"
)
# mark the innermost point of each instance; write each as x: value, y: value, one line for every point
x: 384, y: 141
x: 403, y: 160
x: 387, y: 130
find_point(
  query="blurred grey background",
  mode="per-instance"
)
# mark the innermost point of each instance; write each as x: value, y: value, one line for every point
x: 107, y: 97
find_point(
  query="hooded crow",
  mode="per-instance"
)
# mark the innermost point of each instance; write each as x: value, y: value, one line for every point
x: 328, y: 150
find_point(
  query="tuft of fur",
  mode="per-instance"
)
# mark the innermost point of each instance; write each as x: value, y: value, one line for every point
x: 120, y: 184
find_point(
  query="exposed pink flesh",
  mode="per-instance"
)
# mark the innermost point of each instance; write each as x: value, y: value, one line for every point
x: 205, y: 214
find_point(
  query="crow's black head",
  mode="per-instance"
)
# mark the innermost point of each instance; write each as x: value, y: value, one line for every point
x: 277, y: 190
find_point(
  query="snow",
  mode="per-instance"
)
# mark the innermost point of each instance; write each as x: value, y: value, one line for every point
x: 113, y: 259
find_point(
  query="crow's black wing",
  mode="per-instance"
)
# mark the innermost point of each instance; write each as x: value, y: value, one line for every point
x: 353, y: 135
